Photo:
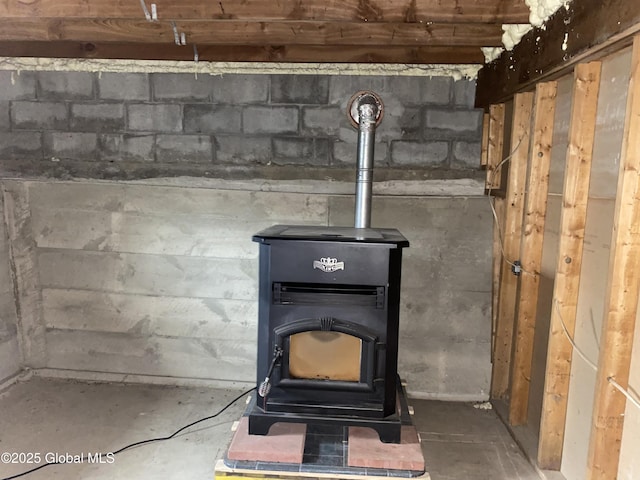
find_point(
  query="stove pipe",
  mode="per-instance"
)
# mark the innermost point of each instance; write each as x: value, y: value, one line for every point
x: 368, y: 113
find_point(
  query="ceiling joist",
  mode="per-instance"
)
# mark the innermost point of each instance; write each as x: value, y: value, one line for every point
x: 411, y: 11
x: 231, y: 32
x: 240, y: 53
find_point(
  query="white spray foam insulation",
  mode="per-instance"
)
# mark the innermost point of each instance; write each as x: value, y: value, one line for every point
x: 457, y: 72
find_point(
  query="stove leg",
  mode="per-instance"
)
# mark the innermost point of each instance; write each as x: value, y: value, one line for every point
x: 389, y: 433
x: 259, y: 425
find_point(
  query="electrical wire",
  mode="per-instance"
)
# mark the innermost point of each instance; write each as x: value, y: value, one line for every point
x: 493, y: 208
x: 611, y: 379
x: 141, y: 442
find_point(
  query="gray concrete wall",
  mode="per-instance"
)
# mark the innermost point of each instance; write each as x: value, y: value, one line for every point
x: 161, y: 281
x: 10, y: 360
x: 139, y: 125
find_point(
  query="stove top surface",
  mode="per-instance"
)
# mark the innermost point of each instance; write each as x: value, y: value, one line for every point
x: 331, y: 234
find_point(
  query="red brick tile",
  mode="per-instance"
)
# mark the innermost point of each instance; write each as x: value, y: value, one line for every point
x: 366, y: 450
x: 284, y: 443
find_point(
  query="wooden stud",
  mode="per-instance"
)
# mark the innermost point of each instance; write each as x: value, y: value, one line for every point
x: 495, y: 145
x: 485, y: 140
x: 498, y: 232
x: 573, y: 217
x: 512, y: 232
x: 621, y: 301
x: 531, y: 246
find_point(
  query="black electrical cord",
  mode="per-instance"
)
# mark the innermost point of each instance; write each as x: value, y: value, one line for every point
x: 141, y: 442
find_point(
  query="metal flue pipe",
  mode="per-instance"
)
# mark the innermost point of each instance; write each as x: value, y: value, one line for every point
x: 369, y: 114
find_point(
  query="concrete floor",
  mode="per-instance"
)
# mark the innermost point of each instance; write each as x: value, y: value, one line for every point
x: 41, y: 416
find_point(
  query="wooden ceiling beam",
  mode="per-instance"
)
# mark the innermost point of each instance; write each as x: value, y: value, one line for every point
x: 231, y: 32
x: 238, y: 53
x: 584, y: 32
x: 505, y: 11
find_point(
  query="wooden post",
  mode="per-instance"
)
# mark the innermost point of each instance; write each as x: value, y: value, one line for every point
x: 531, y: 247
x: 498, y: 204
x: 495, y: 145
x: 573, y: 217
x: 511, y: 234
x: 486, y: 119
x: 621, y: 301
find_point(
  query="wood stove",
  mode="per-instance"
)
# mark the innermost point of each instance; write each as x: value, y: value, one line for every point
x: 328, y: 315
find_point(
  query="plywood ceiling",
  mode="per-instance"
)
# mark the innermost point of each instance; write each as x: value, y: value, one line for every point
x: 378, y: 31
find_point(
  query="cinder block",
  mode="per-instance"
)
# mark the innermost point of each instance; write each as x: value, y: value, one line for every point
x: 459, y: 121
x: 242, y: 149
x: 155, y: 118
x: 407, y: 90
x: 427, y: 154
x: 345, y: 153
x: 284, y: 443
x: 436, y: 90
x: 39, y: 115
x: 344, y: 86
x: 124, y: 86
x: 410, y: 124
x: 98, y: 117
x: 300, y: 89
x: 464, y: 93
x: 234, y: 89
x: 466, y: 155
x: 183, y: 148
x: 5, y: 121
x: 71, y: 145
x: 181, y: 86
x: 65, y: 85
x: 207, y: 118
x: 17, y: 85
x: 270, y: 119
x: 321, y: 121
x: 301, y: 150
x: 21, y: 145
x: 133, y: 148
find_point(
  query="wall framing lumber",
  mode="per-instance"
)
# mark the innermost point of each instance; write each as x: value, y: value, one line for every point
x: 531, y: 247
x: 495, y: 146
x: 593, y: 28
x: 586, y: 86
x: 621, y: 300
x: 496, y: 271
x: 510, y: 11
x: 511, y: 234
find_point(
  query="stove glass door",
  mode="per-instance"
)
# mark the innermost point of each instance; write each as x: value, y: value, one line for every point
x: 320, y: 355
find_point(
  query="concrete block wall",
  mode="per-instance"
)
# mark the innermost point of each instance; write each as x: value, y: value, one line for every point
x: 160, y: 282
x: 116, y: 120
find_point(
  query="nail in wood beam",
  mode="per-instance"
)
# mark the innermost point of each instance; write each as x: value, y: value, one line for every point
x: 495, y: 145
x: 621, y: 301
x: 512, y: 232
x: 531, y: 246
x: 573, y: 216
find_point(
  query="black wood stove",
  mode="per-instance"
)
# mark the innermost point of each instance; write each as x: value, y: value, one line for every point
x: 328, y: 316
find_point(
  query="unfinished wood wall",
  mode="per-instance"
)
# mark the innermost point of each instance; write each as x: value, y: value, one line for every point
x: 578, y: 273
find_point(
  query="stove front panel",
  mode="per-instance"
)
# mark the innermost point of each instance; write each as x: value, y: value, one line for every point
x: 313, y: 293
